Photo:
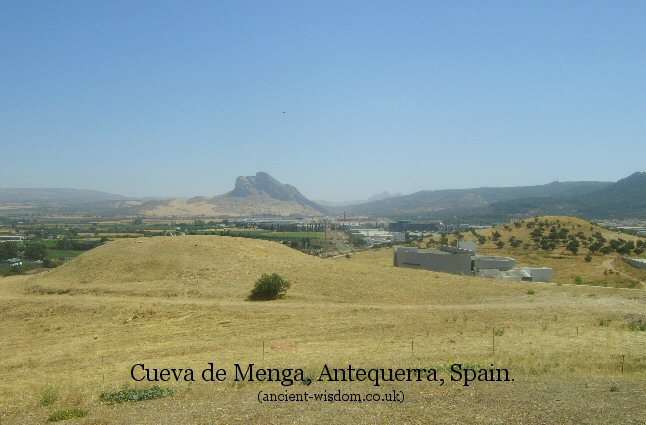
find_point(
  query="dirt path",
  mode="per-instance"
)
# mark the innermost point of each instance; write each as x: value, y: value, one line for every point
x: 338, y: 242
x: 609, y: 265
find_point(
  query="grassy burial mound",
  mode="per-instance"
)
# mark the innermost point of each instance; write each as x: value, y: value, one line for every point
x: 172, y: 266
x: 179, y: 303
x: 225, y: 268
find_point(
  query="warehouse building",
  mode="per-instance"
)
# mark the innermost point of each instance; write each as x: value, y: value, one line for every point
x: 459, y: 260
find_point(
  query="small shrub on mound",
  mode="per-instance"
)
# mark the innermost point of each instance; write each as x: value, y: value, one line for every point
x: 48, y: 397
x: 269, y: 287
x: 136, y: 394
x: 65, y: 414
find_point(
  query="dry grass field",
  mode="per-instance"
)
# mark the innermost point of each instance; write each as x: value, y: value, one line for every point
x: 71, y: 333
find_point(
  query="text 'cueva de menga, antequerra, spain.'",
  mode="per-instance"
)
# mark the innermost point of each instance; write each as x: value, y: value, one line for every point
x: 456, y: 372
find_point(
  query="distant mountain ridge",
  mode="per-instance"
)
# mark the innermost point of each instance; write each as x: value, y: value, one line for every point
x: 378, y: 196
x: 55, y: 196
x: 624, y: 199
x: 252, y: 195
x: 383, y: 195
x: 436, y: 200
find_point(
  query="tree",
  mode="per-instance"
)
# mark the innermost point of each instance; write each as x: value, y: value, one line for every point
x: 8, y: 250
x: 594, y: 247
x: 515, y: 243
x: 626, y: 247
x: 269, y: 287
x: 35, y: 251
x: 573, y: 246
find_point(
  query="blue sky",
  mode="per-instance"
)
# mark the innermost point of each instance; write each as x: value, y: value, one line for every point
x: 342, y: 99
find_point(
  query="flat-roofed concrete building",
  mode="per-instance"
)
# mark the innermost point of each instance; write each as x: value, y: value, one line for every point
x: 492, y: 262
x: 540, y: 274
x: 439, y: 260
x: 448, y: 259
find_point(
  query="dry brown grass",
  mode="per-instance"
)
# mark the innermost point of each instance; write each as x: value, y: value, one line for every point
x: 179, y: 302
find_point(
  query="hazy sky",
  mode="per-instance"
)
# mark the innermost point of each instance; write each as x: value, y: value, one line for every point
x: 342, y: 99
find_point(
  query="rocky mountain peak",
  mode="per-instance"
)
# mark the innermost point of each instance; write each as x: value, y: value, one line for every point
x: 264, y: 184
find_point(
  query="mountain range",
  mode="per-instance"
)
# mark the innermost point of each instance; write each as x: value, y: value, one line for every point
x: 376, y: 197
x: 54, y: 196
x: 263, y: 195
x: 427, y: 201
x: 625, y: 198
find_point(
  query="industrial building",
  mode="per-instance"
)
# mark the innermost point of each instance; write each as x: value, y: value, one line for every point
x: 460, y: 260
x: 374, y: 237
x: 446, y: 259
x: 11, y: 238
x: 407, y: 226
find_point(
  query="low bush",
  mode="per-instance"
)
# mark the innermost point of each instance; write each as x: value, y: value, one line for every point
x: 269, y: 287
x: 136, y: 394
